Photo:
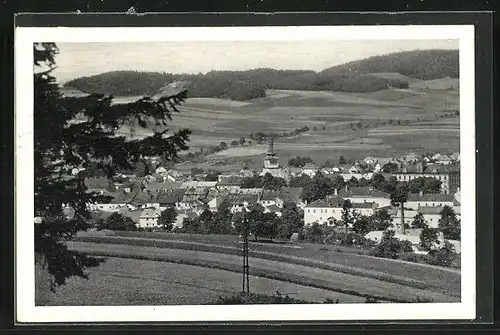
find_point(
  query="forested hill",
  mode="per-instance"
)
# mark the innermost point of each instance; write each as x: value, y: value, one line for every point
x: 357, y: 76
x: 420, y: 64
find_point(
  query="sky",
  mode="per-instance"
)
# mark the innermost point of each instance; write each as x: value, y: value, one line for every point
x: 87, y: 59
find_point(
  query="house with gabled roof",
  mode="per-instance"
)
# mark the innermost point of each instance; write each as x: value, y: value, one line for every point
x: 366, y: 194
x: 416, y: 200
x: 324, y: 210
x: 310, y: 169
x: 229, y: 183
x: 182, y: 215
x: 273, y: 209
x: 268, y: 197
x: 431, y: 215
x: 455, y: 156
x: 149, y: 218
x: 238, y: 201
x: 445, y: 160
x: 292, y: 195
x: 99, y: 185
x: 370, y: 160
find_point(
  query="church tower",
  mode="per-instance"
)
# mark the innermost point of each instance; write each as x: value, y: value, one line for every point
x: 271, y: 161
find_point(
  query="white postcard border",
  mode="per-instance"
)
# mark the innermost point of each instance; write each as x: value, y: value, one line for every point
x: 26, y: 311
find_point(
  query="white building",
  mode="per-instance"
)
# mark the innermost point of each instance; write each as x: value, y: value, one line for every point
x: 416, y: 200
x: 366, y: 195
x: 431, y: 215
x: 310, y: 169
x: 357, y: 175
x: 149, y: 218
x: 323, y: 211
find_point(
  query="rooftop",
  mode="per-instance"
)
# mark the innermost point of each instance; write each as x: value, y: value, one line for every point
x: 273, y: 208
x: 430, y: 209
x: 363, y: 205
x: 235, y: 199
x: 150, y: 213
x: 230, y: 181
x: 363, y: 192
x: 431, y: 197
x: 269, y: 195
x: 310, y: 166
x: 290, y: 194
x: 330, y: 202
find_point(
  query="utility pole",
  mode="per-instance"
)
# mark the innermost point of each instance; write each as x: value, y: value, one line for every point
x: 246, y: 275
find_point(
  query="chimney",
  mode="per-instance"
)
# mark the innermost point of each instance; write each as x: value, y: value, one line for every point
x: 346, y: 188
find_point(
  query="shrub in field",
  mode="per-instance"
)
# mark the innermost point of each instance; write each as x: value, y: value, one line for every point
x: 117, y: 221
x: 252, y: 298
x: 391, y: 247
x: 444, y: 256
x: 429, y: 238
x: 449, y: 224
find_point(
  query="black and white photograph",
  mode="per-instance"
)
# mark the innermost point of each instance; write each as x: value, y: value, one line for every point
x: 250, y: 169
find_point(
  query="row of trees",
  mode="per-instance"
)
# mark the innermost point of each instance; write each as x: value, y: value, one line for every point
x: 260, y: 137
x: 235, y: 85
x: 260, y: 224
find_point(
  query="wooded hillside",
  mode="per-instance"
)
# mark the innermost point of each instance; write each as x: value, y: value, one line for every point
x: 354, y: 76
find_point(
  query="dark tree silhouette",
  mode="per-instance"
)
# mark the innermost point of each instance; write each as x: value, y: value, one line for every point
x: 419, y: 221
x: 61, y: 144
x: 346, y: 214
x: 167, y: 218
x: 398, y: 198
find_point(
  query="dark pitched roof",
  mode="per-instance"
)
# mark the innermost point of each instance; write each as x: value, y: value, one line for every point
x: 99, y: 183
x: 171, y: 196
x: 269, y: 195
x: 363, y: 192
x: 140, y: 197
x: 363, y: 205
x: 290, y: 194
x: 330, y: 202
x: 235, y: 199
x: 431, y: 197
x: 122, y: 197
x: 429, y: 209
x: 230, y: 181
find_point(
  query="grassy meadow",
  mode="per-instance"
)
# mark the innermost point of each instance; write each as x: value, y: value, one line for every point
x: 421, y: 118
x: 391, y: 122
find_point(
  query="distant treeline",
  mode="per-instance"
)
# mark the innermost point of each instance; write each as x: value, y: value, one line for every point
x: 420, y: 64
x: 251, y: 84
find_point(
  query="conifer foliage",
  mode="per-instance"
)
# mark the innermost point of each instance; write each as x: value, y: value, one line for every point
x: 77, y: 132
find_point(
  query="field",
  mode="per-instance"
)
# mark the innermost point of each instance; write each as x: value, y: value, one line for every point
x: 143, y: 282
x: 390, y: 122
x: 349, y: 261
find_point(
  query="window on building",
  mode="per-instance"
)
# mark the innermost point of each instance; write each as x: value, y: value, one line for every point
x: 314, y: 211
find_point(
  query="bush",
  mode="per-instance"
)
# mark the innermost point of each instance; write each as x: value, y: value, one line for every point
x: 252, y: 299
x: 351, y: 239
x: 391, y: 247
x: 444, y: 256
